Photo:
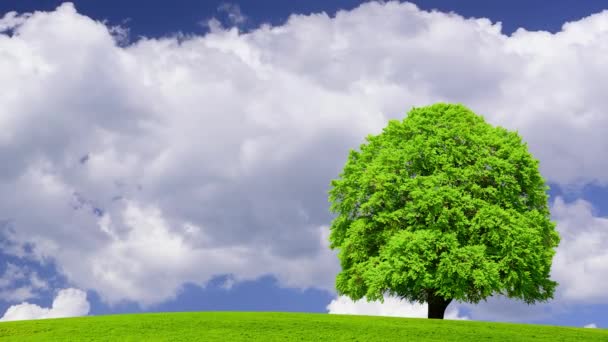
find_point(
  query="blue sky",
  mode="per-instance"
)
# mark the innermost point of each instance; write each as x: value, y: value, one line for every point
x: 177, y: 158
x: 157, y: 19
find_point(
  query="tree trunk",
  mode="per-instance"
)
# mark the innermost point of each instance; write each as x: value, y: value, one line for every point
x: 437, y: 305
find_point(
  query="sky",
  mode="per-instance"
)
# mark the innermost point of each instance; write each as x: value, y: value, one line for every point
x: 178, y: 158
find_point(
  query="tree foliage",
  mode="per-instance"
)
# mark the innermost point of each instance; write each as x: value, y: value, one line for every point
x: 443, y: 204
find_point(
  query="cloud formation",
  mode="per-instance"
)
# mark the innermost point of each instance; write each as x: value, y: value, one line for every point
x: 581, y: 261
x: 19, y: 283
x: 392, y: 306
x: 233, y: 11
x: 213, y: 154
x: 68, y: 303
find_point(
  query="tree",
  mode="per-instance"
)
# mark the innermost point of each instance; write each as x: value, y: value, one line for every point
x: 442, y: 206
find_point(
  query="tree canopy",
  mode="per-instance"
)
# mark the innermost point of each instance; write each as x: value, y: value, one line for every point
x: 442, y: 206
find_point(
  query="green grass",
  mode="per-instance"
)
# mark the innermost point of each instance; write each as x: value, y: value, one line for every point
x: 269, y: 326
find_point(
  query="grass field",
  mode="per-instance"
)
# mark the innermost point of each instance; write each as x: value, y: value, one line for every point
x: 267, y: 326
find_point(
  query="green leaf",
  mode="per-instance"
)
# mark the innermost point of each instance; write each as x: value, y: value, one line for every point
x: 442, y: 202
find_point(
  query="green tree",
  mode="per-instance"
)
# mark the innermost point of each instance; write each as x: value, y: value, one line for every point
x: 442, y: 206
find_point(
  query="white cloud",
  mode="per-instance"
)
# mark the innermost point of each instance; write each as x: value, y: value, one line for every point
x: 143, y: 248
x: 120, y: 34
x: 19, y: 283
x: 233, y: 11
x: 17, y: 294
x: 12, y: 20
x: 213, y: 154
x: 581, y: 261
x: 590, y: 325
x: 12, y: 273
x: 501, y: 308
x: 36, y: 282
x: 228, y: 283
x: 68, y: 303
x: 392, y: 306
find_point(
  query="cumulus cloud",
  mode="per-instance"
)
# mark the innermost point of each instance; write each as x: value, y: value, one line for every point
x: 11, y: 20
x: 12, y: 273
x: 392, y: 306
x: 213, y: 154
x: 233, y: 11
x: 590, y: 325
x: 19, y: 283
x: 581, y: 261
x: 17, y: 294
x: 228, y: 283
x: 68, y: 303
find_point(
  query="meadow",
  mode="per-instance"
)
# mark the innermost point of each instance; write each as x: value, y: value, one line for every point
x: 276, y: 326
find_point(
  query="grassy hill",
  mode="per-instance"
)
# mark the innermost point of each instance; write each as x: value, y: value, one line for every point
x: 267, y: 326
